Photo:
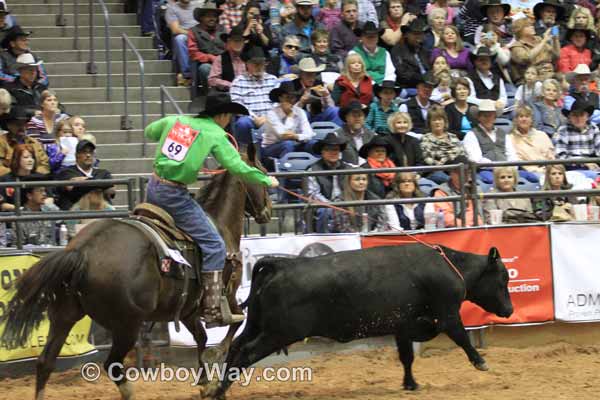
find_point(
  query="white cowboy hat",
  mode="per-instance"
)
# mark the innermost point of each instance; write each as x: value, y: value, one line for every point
x: 27, y: 60
x: 308, y: 64
x: 487, y: 105
x: 580, y: 69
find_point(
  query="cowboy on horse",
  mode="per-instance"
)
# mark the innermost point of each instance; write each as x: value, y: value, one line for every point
x: 184, y: 143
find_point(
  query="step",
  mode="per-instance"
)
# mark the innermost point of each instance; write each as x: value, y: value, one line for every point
x: 153, y: 106
x: 38, y: 43
x: 80, y: 67
x: 124, y: 150
x: 18, y: 7
x: 69, y: 31
x: 113, y: 122
x: 118, y: 136
x: 117, y: 94
x: 86, y: 81
x: 84, y: 55
x: 84, y: 19
x: 130, y: 165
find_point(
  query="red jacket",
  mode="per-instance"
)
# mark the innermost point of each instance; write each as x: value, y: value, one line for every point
x: 570, y: 57
x: 364, y: 94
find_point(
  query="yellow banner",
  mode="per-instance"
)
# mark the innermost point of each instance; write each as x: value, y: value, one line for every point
x: 11, y: 267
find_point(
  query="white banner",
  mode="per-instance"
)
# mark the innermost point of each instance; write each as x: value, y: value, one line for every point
x: 253, y: 249
x: 576, y: 272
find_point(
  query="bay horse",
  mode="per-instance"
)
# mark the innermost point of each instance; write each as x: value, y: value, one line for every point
x: 110, y: 271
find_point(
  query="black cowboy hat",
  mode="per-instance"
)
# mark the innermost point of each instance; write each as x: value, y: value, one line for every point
x: 386, y: 85
x: 16, y: 114
x: 236, y: 32
x: 578, y: 28
x: 428, y: 79
x: 331, y: 139
x: 220, y: 103
x: 12, y: 34
x: 287, y: 87
x: 3, y: 9
x: 82, y: 144
x: 377, y: 141
x: 481, y: 51
x: 579, y: 105
x: 458, y: 160
x: 368, y: 27
x: 353, y: 106
x: 560, y: 9
x: 416, y: 25
x: 253, y: 53
x: 205, y: 8
x: 490, y: 3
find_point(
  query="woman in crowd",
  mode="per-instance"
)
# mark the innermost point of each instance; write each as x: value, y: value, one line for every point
x: 41, y: 126
x: 406, y: 145
x: 22, y: 167
x: 283, y: 65
x: 439, y: 145
x: 547, y: 115
x: 529, y: 143
x: 392, y: 24
x: 321, y: 53
x: 377, y: 152
x: 558, y: 208
x: 256, y: 32
x: 408, y: 216
x: 353, y: 84
x: 355, y: 189
x: 460, y: 118
x: 505, y: 180
x: 453, y: 50
x: 441, y: 5
x: 437, y: 22
x: 577, y: 50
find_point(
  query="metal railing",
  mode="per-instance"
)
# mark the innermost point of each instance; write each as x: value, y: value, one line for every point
x: 125, y: 121
x: 164, y: 93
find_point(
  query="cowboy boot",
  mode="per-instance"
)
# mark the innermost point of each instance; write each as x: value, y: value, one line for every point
x: 215, y: 307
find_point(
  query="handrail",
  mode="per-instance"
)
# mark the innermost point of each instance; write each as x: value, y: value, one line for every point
x: 126, y: 123
x: 60, y: 17
x: 165, y: 93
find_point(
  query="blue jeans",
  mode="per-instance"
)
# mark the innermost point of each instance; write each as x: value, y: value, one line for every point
x: 242, y: 130
x: 438, y: 177
x: 147, y: 20
x: 192, y: 219
x: 330, y: 114
x: 324, y: 220
x: 203, y: 72
x: 180, y: 50
x: 280, y: 149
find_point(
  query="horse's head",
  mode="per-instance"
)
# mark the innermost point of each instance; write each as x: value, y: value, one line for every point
x: 258, y: 202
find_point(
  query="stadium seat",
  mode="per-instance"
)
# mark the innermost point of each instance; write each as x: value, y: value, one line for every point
x: 504, y: 123
x: 525, y: 186
x: 484, y: 187
x: 322, y: 128
x: 293, y: 162
x: 427, y: 186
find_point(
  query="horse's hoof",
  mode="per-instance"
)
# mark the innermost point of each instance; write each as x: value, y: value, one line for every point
x: 411, y: 386
x: 210, y: 392
x: 482, y: 366
x: 213, y: 355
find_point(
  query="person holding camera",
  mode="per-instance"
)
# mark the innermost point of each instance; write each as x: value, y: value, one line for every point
x: 256, y: 32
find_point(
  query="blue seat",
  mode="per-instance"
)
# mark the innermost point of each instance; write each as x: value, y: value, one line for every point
x: 504, y: 123
x: 291, y: 162
x: 485, y: 187
x: 427, y: 186
x: 322, y: 128
x: 525, y: 186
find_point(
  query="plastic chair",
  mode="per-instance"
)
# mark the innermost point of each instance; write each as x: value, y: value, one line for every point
x: 292, y: 162
x: 503, y: 123
x: 525, y: 186
x: 427, y: 186
x: 484, y: 187
x: 322, y: 128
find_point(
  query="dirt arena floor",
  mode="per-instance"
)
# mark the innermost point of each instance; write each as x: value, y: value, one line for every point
x: 559, y: 370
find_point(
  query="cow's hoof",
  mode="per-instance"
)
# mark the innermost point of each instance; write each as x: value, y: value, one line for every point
x: 482, y: 366
x: 209, y: 392
x: 411, y: 386
x: 213, y: 355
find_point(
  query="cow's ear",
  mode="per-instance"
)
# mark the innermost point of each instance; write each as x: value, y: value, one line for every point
x: 493, y: 257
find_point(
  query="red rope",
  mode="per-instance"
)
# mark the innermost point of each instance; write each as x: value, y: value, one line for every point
x: 220, y: 171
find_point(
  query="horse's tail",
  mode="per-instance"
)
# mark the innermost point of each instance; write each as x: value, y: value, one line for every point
x: 37, y: 288
x: 263, y: 269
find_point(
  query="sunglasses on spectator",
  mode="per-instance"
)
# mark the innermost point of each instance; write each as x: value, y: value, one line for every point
x: 291, y: 46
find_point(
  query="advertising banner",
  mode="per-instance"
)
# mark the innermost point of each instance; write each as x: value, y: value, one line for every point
x: 525, y: 252
x: 11, y: 267
x: 576, y: 272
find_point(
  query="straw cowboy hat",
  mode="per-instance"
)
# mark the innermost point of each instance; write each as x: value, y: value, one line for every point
x: 580, y: 69
x: 309, y: 64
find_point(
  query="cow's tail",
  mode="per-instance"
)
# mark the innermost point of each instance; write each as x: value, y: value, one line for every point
x: 263, y: 270
x: 37, y: 288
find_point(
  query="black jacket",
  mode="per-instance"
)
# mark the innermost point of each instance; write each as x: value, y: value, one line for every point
x: 407, y: 69
x: 405, y: 146
x: 455, y: 120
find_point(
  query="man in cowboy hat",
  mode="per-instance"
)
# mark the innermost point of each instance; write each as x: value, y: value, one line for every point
x: 548, y: 14
x: 16, y: 43
x: 485, y: 84
x: 378, y: 61
x: 410, y: 58
x: 6, y: 21
x: 183, y: 145
x: 579, y: 137
x: 204, y: 40
x: 302, y: 25
x: 580, y: 90
x: 342, y: 37
x: 495, y: 13
x: 383, y: 106
x: 229, y: 64
x: 26, y: 89
x: 418, y: 106
x: 354, y: 131
x: 287, y: 129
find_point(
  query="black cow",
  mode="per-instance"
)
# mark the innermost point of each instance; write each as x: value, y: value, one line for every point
x: 408, y: 291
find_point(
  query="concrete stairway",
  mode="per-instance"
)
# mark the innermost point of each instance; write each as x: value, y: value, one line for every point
x: 120, y: 151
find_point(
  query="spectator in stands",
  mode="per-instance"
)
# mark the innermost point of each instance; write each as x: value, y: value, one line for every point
x: 529, y: 143
x: 367, y: 12
x: 353, y: 132
x: 439, y: 145
x: 441, y: 5
x: 315, y: 98
x: 58, y: 150
x: 342, y: 36
x: 356, y: 188
x: 452, y: 210
x: 506, y: 180
x: 406, y: 147
x: 418, y: 106
x: 284, y: 65
x: 286, y: 128
x: 353, y: 84
x: 16, y: 43
x: 252, y: 91
x: 41, y: 127
x: 180, y: 19
x: 229, y: 64
x: 557, y: 208
x: 461, y: 114
x: 382, y: 107
x: 531, y: 89
x: 204, y: 40
x: 22, y: 167
x: 472, y: 17
x: 491, y: 40
x: 27, y: 90
x: 78, y: 125
x: 233, y: 11
x: 14, y: 123
x: 377, y: 152
x: 547, y: 114
x: 579, y: 137
x: 329, y: 15
x: 5, y: 102
x: 6, y: 21
x: 410, y: 58
x: 452, y: 49
x: 325, y: 188
x: 577, y: 50
x: 257, y: 32
x: 485, y: 142
x: 407, y: 216
x: 393, y: 22
x: 580, y: 90
x: 548, y: 14
x: 94, y: 199
x: 484, y: 84
x: 378, y: 63
x: 437, y: 22
x: 81, y: 171
x: 303, y: 24
x: 35, y: 199
x: 495, y: 13
x: 528, y: 49
x: 321, y: 53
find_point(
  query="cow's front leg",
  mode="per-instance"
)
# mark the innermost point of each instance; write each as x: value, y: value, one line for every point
x: 456, y: 331
x: 406, y: 354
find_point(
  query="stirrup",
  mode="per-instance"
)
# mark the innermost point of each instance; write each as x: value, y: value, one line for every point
x: 223, y: 316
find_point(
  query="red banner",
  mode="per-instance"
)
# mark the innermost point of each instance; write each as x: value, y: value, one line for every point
x: 524, y: 250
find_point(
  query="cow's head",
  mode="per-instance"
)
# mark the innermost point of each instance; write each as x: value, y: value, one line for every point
x: 491, y: 290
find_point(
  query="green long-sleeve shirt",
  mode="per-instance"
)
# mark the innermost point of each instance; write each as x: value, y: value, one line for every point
x: 184, y: 144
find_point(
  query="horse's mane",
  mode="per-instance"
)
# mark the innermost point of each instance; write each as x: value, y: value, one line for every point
x: 209, y: 193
